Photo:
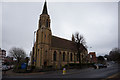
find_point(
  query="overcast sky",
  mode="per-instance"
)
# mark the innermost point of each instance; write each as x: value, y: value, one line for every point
x: 96, y: 21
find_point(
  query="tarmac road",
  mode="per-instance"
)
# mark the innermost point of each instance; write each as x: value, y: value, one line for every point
x: 74, y: 73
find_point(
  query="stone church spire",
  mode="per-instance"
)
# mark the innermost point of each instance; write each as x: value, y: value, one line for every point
x: 44, y: 21
x: 45, y: 8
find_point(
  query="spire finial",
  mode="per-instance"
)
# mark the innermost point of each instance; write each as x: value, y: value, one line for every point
x: 45, y: 8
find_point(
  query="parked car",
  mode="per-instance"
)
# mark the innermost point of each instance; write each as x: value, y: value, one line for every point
x: 9, y: 67
x: 105, y: 65
x: 4, y: 67
x: 98, y: 66
x: 12, y: 66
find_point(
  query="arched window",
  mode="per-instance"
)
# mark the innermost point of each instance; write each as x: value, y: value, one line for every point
x: 49, y: 38
x: 47, y: 23
x: 42, y: 37
x: 45, y: 37
x: 54, y: 56
x: 39, y: 23
x: 77, y: 58
x: 63, y: 56
x: 46, y: 51
x: 71, y: 57
x: 68, y: 57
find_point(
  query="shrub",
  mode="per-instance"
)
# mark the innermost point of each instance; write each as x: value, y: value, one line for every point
x: 76, y: 65
x: 50, y: 66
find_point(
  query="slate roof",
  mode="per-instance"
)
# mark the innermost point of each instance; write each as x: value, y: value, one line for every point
x: 62, y: 43
x: 58, y: 42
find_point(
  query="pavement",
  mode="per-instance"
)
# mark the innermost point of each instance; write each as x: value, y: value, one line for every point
x: 59, y: 72
x: 11, y: 73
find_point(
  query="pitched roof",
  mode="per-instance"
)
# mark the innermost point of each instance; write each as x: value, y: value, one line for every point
x: 62, y: 43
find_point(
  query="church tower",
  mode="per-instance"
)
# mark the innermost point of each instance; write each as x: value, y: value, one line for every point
x: 43, y: 40
x: 52, y: 51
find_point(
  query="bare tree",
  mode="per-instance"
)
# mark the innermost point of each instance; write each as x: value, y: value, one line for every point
x: 101, y: 59
x: 17, y: 53
x: 80, y: 42
x: 114, y: 55
x: 106, y: 56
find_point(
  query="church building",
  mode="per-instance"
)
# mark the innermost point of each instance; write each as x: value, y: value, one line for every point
x: 50, y: 50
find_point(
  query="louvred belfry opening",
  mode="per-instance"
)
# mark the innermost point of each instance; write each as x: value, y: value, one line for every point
x: 44, y: 21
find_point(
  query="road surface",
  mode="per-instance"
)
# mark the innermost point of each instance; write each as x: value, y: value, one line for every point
x: 74, y: 73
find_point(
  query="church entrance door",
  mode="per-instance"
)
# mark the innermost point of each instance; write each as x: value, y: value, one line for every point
x: 45, y: 63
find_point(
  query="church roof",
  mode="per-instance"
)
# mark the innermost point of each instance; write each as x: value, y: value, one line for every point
x: 45, y: 9
x: 62, y: 43
x: 57, y: 42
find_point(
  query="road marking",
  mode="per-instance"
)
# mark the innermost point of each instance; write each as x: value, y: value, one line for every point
x: 112, y: 76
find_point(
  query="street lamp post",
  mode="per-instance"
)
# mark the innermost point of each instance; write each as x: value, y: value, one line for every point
x: 33, y: 48
x: 34, y: 38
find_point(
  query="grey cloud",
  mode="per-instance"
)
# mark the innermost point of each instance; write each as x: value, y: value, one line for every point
x: 96, y: 21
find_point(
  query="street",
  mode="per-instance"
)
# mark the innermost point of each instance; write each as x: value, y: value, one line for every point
x: 73, y: 73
